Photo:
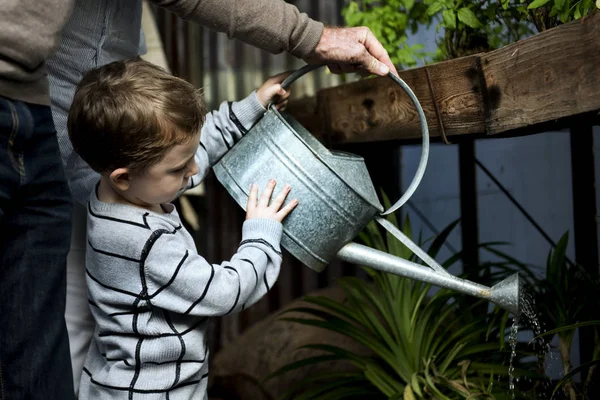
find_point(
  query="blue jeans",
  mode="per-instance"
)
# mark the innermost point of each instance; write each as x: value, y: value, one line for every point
x: 35, y: 230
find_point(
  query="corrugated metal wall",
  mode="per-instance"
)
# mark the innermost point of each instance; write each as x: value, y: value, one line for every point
x: 229, y: 70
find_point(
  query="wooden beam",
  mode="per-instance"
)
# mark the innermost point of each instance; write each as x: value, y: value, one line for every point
x: 378, y: 109
x: 533, y: 85
x: 549, y: 76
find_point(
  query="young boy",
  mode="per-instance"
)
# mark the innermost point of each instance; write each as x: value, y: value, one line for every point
x: 150, y: 292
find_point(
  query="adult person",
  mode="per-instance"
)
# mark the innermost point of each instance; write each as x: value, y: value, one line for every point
x: 35, y: 208
x: 103, y: 31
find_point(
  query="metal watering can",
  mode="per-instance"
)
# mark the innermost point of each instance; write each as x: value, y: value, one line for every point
x: 337, y: 200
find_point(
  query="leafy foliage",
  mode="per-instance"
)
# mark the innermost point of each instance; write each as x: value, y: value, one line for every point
x: 462, y: 26
x: 422, y: 344
x: 566, y: 300
x: 546, y: 14
x: 391, y: 21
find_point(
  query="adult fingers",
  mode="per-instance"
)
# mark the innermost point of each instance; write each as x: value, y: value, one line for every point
x: 335, y: 68
x: 377, y: 55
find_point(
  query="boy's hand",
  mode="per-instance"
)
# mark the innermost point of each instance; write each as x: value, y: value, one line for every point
x: 262, y: 209
x: 271, y: 90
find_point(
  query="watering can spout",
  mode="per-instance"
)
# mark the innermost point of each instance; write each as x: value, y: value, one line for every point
x: 506, y: 293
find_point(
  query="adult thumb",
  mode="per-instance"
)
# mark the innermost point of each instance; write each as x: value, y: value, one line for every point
x: 377, y: 67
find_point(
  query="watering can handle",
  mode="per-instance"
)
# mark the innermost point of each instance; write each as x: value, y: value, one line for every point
x: 424, y: 130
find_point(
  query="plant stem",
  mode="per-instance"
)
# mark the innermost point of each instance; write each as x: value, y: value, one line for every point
x: 565, y: 355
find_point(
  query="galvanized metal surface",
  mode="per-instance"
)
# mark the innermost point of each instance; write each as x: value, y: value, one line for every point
x: 332, y: 209
x: 506, y: 293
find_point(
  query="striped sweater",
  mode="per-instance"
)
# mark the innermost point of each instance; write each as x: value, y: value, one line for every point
x: 151, y: 294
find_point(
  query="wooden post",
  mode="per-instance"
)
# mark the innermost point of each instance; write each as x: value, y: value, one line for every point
x: 468, y: 208
x: 585, y: 217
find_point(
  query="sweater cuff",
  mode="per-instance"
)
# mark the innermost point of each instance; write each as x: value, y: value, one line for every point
x: 249, y: 110
x: 310, y: 40
x: 265, y: 229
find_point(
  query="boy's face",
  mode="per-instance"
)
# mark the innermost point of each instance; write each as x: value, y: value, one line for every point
x: 161, y: 182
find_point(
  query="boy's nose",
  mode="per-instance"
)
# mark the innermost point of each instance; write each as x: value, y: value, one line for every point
x: 193, y: 169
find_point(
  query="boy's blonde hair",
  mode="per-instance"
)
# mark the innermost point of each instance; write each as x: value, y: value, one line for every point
x: 128, y: 114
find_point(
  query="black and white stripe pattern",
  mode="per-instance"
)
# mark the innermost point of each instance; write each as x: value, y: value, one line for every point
x: 152, y: 296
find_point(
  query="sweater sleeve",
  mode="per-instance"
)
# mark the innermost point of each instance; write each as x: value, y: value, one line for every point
x: 181, y: 281
x: 221, y: 130
x: 271, y: 25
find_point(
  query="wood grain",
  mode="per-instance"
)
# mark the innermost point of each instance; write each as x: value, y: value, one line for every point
x: 536, y: 84
x: 379, y: 109
x: 552, y: 75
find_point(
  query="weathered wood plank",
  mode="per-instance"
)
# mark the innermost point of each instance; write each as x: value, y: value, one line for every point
x: 552, y: 75
x: 378, y: 109
x: 536, y: 84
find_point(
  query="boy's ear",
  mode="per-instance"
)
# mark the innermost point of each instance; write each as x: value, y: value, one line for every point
x: 120, y: 178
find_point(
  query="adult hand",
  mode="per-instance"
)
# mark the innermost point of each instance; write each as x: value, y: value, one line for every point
x: 351, y: 50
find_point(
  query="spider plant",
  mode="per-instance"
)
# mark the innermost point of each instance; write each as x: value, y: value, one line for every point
x: 564, y: 299
x: 423, y: 344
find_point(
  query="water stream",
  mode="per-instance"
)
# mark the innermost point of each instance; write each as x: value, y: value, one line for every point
x: 541, y: 347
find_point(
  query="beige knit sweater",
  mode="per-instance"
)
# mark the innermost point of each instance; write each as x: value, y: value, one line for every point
x: 30, y: 30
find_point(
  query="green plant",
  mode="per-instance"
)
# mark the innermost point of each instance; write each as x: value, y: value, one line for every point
x: 566, y: 381
x: 462, y: 26
x: 546, y: 14
x: 422, y: 345
x: 565, y: 299
x: 391, y: 22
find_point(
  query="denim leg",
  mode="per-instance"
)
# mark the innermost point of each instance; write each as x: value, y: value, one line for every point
x: 35, y: 229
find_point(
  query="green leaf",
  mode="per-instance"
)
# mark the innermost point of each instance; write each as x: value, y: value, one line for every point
x: 335, y: 307
x: 574, y: 372
x: 415, y: 386
x: 449, y: 19
x: 380, y: 378
x: 568, y: 328
x: 441, y: 238
x: 557, y: 265
x: 468, y: 17
x: 577, y: 14
x: 435, y: 8
x: 408, y: 393
x: 537, y: 4
x: 559, y: 4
